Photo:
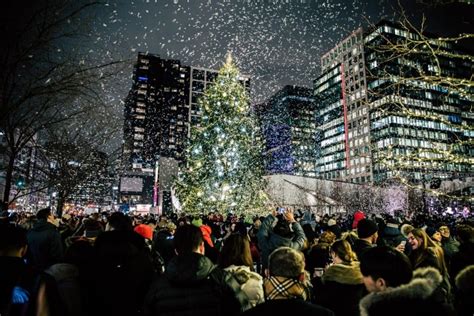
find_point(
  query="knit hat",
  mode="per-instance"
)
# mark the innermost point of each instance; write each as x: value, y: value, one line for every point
x: 366, y: 228
x: 358, y: 215
x: 430, y: 231
x: 144, y: 230
x: 197, y: 222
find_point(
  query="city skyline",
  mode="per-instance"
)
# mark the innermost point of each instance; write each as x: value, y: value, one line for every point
x: 275, y: 43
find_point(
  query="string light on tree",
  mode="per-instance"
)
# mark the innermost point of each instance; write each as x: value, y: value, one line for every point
x: 227, y: 151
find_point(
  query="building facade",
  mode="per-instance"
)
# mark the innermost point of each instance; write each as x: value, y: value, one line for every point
x: 287, y: 122
x: 386, y: 109
x: 28, y: 189
x: 156, y: 112
x: 342, y: 117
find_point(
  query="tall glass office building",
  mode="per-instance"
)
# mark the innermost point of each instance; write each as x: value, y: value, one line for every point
x: 392, y: 103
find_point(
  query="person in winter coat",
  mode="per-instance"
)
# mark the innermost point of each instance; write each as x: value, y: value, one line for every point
x: 319, y: 255
x: 391, y: 234
x: 236, y: 258
x: 465, y: 256
x: 286, y: 288
x: 45, y: 246
x: 418, y: 297
x: 278, y: 231
x: 24, y: 290
x: 367, y: 232
x: 448, y: 243
x: 123, y: 270
x: 163, y: 241
x: 211, y: 252
x: 191, y: 283
x: 427, y: 254
x: 358, y: 215
x: 71, y: 276
x: 384, y: 267
x: 341, y: 287
x: 465, y: 292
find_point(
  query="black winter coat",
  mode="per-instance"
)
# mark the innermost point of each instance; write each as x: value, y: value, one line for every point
x: 45, y: 246
x: 122, y: 274
x: 461, y: 259
x: 191, y: 285
x: 18, y: 277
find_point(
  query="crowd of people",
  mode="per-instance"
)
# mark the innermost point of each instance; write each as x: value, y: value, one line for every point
x: 208, y: 264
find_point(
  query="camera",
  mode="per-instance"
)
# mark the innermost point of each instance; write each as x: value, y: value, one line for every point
x: 280, y: 210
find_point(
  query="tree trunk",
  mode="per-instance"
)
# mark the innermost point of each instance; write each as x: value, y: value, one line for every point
x: 9, y: 178
x: 59, y: 208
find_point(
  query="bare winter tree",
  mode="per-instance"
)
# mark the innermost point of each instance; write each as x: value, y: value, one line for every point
x: 75, y: 161
x: 424, y: 81
x: 43, y: 82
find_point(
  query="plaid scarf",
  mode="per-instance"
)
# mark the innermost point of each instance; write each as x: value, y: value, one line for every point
x: 285, y: 288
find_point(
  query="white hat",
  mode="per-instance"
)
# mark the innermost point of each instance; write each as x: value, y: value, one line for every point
x: 332, y: 222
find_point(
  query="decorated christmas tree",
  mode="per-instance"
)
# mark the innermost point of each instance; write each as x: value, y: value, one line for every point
x: 224, y: 167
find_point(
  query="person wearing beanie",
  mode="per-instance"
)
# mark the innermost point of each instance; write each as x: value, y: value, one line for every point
x: 390, y: 235
x: 358, y: 215
x: 334, y: 227
x: 144, y: 230
x: 434, y: 234
x: 210, y: 251
x: 197, y: 222
x: 367, y: 231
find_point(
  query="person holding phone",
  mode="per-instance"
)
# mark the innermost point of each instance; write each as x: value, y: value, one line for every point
x: 278, y: 230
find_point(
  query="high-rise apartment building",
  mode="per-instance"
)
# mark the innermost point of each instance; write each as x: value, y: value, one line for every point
x: 156, y: 112
x: 159, y: 111
x: 388, y: 114
x: 289, y: 132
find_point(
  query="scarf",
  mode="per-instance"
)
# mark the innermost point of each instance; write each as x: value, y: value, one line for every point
x: 277, y: 287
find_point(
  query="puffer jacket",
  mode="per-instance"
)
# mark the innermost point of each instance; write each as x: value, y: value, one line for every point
x: 191, y: 285
x: 340, y: 289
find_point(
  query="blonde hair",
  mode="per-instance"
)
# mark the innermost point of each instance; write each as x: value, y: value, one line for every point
x: 343, y: 249
x: 426, y: 246
x: 286, y: 262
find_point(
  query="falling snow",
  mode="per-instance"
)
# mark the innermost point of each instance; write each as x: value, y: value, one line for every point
x: 274, y: 42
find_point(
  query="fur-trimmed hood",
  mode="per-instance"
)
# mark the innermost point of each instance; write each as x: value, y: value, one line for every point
x: 344, y: 273
x: 424, y: 283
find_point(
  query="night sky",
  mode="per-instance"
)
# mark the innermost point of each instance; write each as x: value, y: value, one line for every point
x: 276, y: 42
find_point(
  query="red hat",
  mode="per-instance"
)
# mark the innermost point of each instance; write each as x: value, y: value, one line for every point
x: 206, y: 234
x: 144, y: 230
x: 358, y: 215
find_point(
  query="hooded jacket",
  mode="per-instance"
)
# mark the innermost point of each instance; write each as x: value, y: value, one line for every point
x: 191, y: 285
x: 340, y: 289
x: 45, y: 246
x: 269, y: 241
x: 422, y: 296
